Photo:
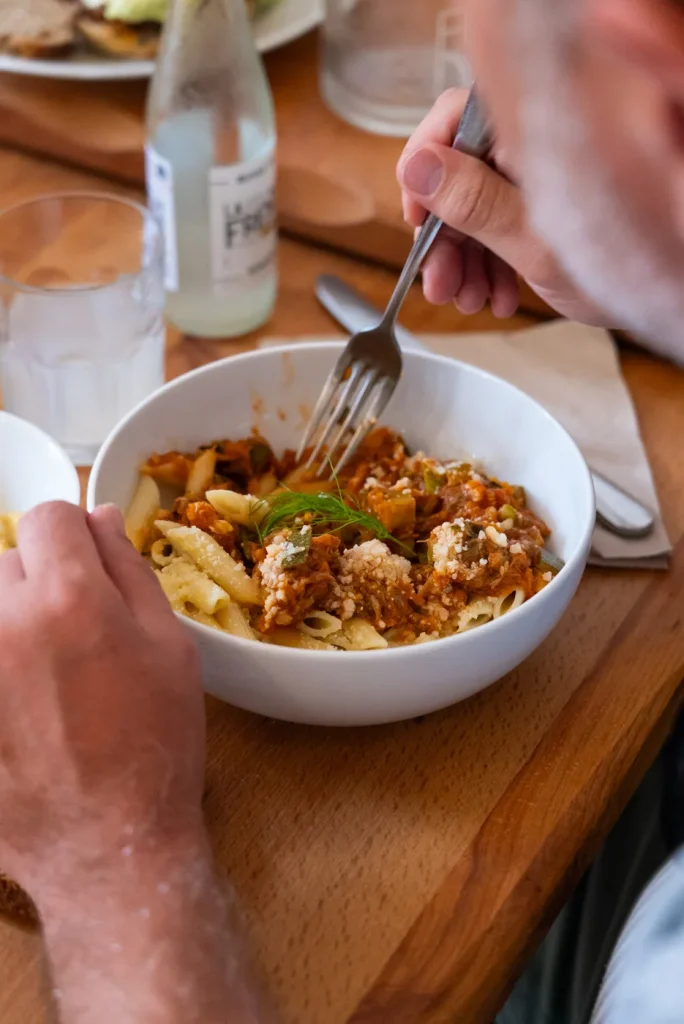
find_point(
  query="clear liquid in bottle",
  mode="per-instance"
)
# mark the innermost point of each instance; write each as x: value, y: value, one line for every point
x: 211, y: 170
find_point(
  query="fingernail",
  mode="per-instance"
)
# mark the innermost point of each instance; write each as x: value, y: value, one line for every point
x: 423, y: 172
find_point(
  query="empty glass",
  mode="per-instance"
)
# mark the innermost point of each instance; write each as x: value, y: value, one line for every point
x: 81, y: 329
x: 384, y: 62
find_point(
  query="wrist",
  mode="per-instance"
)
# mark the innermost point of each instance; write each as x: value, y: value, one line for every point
x: 124, y: 875
x: 151, y: 942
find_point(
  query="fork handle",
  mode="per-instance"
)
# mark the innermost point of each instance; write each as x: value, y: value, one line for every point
x: 474, y: 138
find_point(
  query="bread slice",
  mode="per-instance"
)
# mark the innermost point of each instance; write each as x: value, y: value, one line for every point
x: 37, y: 28
x: 131, y: 40
x: 119, y: 39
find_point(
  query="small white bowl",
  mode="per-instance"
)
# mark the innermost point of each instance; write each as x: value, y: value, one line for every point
x: 33, y: 467
x: 445, y: 408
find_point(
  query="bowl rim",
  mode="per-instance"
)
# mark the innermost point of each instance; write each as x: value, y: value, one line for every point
x: 47, y: 442
x: 578, y: 555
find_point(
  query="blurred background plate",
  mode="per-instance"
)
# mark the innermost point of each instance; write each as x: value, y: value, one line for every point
x: 287, y: 21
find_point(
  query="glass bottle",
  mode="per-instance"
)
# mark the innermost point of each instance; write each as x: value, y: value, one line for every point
x: 210, y: 168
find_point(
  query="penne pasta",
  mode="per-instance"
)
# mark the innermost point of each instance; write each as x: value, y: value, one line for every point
x: 502, y: 605
x: 340, y: 640
x: 394, y: 549
x: 296, y: 477
x: 187, y: 583
x: 182, y: 606
x: 233, y: 619
x: 244, y: 509
x: 142, y: 512
x: 293, y: 638
x: 320, y: 625
x: 363, y: 636
x: 202, y: 473
x: 199, y: 616
x: 210, y: 557
x: 8, y: 530
x: 162, y: 552
x: 264, y: 485
x: 475, y: 613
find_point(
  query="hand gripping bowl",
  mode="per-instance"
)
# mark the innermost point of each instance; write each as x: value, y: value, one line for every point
x: 445, y: 408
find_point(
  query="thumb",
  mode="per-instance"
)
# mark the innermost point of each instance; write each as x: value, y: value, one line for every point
x: 470, y: 197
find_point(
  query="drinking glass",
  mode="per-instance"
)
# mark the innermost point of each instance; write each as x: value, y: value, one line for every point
x: 385, y: 62
x: 81, y: 300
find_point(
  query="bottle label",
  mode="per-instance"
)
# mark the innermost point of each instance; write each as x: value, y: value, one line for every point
x: 159, y: 175
x: 242, y: 220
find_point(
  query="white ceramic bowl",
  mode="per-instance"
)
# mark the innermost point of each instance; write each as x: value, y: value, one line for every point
x: 33, y: 467
x: 445, y: 408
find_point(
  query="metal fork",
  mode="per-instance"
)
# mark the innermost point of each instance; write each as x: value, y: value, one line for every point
x: 368, y: 370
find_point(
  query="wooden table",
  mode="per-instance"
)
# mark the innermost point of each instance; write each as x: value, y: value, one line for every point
x: 404, y: 873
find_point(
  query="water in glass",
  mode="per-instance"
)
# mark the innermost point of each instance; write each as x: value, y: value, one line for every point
x: 81, y: 330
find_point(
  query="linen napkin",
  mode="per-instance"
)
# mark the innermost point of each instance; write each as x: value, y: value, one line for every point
x: 574, y: 372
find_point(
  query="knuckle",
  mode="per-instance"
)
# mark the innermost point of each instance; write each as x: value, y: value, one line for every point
x: 64, y: 601
x: 469, y: 204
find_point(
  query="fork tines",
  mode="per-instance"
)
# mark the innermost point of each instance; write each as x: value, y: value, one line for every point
x: 352, y: 398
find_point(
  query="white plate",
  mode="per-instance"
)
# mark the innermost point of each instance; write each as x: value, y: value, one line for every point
x: 289, y: 20
x: 33, y: 467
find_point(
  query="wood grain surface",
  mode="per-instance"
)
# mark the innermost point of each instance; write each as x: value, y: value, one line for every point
x: 336, y: 184
x: 404, y: 873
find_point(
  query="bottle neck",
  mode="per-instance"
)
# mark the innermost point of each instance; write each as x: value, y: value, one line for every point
x: 183, y: 12
x: 212, y: 26
x: 209, y: 62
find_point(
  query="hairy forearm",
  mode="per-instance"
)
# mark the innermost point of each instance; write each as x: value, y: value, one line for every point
x: 149, y: 940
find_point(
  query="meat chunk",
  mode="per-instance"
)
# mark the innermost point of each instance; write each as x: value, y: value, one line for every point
x: 374, y: 584
x: 292, y: 593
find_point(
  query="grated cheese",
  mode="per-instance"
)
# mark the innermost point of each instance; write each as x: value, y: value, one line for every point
x: 367, y: 571
x: 373, y: 558
x: 446, y: 544
x: 273, y: 578
x: 496, y: 538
